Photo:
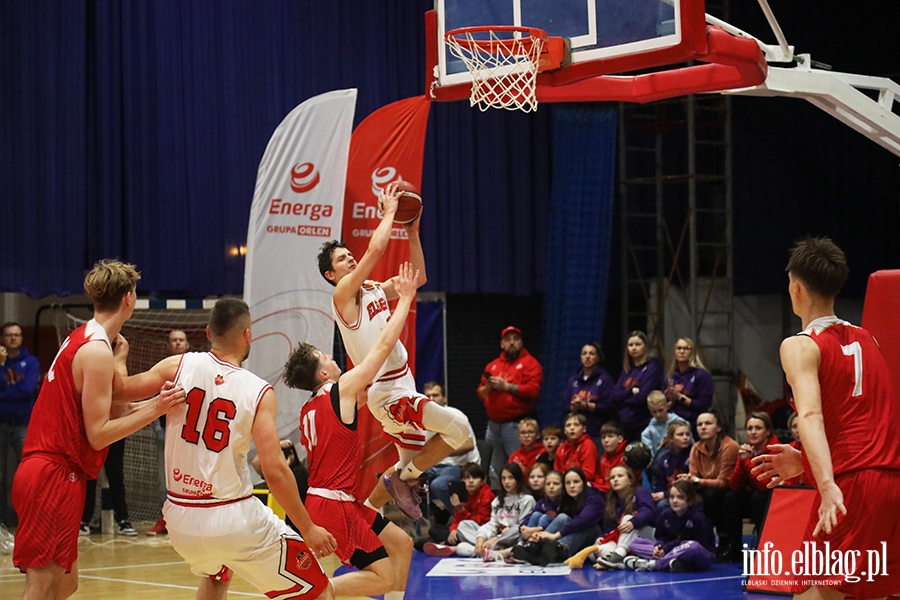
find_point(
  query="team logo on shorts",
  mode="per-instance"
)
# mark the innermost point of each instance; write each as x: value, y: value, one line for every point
x: 304, y: 560
x: 407, y: 411
x: 219, y: 380
x: 73, y: 477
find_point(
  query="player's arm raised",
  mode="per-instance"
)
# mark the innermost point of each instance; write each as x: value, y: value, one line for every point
x: 800, y: 358
x: 416, y: 257
x: 94, y: 367
x: 281, y: 481
x: 356, y: 379
x: 348, y: 286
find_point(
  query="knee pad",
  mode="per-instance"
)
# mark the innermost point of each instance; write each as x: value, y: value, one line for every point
x: 453, y: 427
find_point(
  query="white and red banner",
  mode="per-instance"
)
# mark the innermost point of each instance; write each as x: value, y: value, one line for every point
x: 297, y: 206
x: 388, y: 145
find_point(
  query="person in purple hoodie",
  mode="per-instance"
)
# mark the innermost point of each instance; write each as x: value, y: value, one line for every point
x: 690, y: 385
x: 641, y: 374
x: 578, y: 520
x: 629, y: 514
x: 671, y: 462
x: 684, y: 537
x: 589, y: 392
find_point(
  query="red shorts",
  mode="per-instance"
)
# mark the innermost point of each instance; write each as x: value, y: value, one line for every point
x: 870, y: 532
x: 349, y: 522
x: 49, y: 500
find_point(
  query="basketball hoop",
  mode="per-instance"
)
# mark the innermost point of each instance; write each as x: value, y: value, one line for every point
x: 503, y: 61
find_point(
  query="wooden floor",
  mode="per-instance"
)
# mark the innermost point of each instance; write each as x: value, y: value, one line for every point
x: 116, y: 567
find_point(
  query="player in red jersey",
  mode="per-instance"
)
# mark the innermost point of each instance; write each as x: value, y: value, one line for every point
x: 847, y: 415
x: 71, y: 426
x: 366, y: 540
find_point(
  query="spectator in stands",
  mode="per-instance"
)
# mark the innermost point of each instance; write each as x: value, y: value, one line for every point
x: 748, y: 496
x: 551, y: 438
x: 712, y: 462
x: 115, y: 475
x: 448, y: 469
x: 672, y: 462
x: 529, y: 448
x: 576, y: 524
x: 537, y: 479
x: 512, y: 504
x: 655, y: 433
x: 690, y: 385
x: 589, y: 392
x: 641, y: 374
x: 176, y: 343
x: 546, y: 509
x: 629, y: 513
x: 19, y: 376
x: 613, y: 441
x: 476, y: 509
x: 509, y: 389
x: 578, y: 450
x: 684, y: 537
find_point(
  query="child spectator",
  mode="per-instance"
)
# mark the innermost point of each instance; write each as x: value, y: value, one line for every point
x: 537, y: 479
x: 546, y: 509
x: 749, y: 496
x: 629, y: 514
x: 672, y: 462
x: 476, y: 509
x: 655, y: 433
x: 529, y: 449
x: 551, y: 438
x: 613, y: 441
x: 576, y: 524
x: 641, y: 374
x: 684, y: 537
x: 508, y: 510
x: 712, y: 462
x: 578, y: 450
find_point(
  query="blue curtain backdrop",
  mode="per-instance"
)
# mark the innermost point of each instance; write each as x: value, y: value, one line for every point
x: 580, y: 226
x: 430, y: 343
x: 135, y: 130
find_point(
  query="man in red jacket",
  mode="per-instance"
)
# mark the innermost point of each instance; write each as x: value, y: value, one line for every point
x: 509, y: 388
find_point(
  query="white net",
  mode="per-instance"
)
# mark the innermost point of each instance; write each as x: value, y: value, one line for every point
x: 503, y: 67
x: 147, y: 332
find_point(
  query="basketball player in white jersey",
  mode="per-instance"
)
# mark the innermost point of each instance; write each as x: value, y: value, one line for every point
x: 361, y: 312
x: 213, y: 520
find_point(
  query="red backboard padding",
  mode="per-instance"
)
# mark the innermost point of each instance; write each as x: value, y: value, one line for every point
x: 785, y: 523
x: 881, y: 316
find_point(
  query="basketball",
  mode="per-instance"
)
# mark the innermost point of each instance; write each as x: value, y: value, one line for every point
x: 637, y: 456
x: 409, y: 203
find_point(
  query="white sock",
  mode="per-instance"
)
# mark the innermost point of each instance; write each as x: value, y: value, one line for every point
x: 395, y: 595
x: 410, y: 472
x: 369, y: 504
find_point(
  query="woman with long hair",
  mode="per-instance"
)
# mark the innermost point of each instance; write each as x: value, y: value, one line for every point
x: 589, y: 392
x: 690, y: 385
x: 642, y: 373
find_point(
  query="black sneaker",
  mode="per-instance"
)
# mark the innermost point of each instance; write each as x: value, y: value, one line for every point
x: 125, y: 528
x: 613, y: 560
x: 84, y: 529
x: 679, y: 566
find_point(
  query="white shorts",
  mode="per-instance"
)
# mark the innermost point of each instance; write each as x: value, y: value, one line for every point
x: 398, y: 407
x: 248, y: 538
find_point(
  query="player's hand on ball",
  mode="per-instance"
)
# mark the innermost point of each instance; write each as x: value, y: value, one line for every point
x: 388, y: 199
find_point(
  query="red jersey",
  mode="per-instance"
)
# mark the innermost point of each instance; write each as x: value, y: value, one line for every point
x: 859, y: 406
x: 526, y: 458
x: 332, y: 446
x: 57, y: 421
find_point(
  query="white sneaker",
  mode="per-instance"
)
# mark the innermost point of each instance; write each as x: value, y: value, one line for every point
x: 125, y: 528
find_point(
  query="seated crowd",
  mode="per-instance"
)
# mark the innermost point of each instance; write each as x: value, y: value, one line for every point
x: 568, y: 495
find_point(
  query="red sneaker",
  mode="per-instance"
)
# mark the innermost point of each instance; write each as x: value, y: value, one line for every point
x: 432, y: 549
x: 159, y: 528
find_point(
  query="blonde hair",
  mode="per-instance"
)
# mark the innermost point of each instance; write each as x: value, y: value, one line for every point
x: 108, y: 282
x: 656, y: 398
x: 695, y: 356
x: 532, y: 422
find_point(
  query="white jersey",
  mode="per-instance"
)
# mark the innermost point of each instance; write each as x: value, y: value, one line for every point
x: 207, y: 439
x: 361, y: 334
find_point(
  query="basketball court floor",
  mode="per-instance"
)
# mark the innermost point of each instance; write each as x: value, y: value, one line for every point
x: 114, y: 567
